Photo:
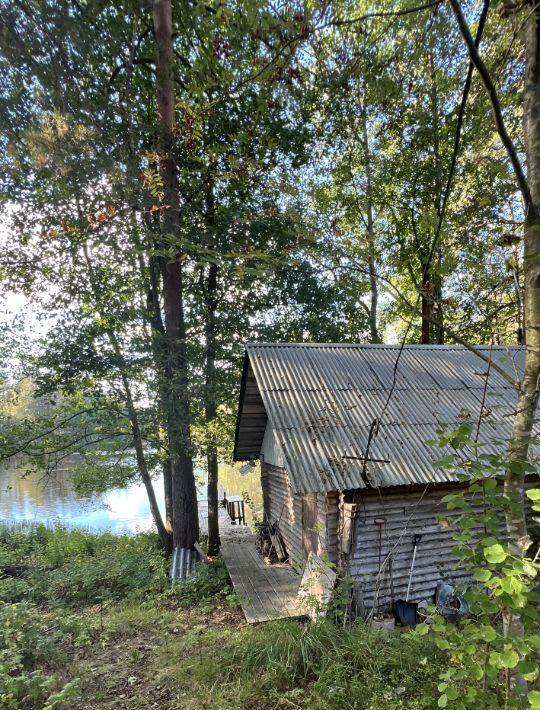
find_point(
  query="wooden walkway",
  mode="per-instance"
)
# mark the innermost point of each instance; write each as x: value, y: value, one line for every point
x: 266, y: 592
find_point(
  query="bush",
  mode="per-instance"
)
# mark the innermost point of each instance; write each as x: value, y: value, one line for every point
x: 26, y: 644
x: 112, y: 575
x: 210, y: 581
x: 78, y: 567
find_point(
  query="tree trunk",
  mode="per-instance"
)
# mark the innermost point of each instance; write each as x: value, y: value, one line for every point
x: 437, y: 327
x: 159, y: 351
x: 185, y: 514
x: 516, y: 523
x: 211, y: 412
x: 516, y: 276
x: 432, y: 329
x: 514, y: 484
x: 372, y: 251
x: 210, y: 403
x: 427, y: 308
x: 164, y: 535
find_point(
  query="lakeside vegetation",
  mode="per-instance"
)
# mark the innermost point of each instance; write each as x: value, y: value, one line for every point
x: 93, y: 623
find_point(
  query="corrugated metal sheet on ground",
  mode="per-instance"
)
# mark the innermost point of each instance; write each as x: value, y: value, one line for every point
x: 183, y: 563
x: 322, y: 401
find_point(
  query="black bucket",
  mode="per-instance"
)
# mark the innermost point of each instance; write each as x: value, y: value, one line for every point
x: 406, y: 613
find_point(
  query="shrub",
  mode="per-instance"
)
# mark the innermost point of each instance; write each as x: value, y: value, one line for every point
x: 209, y: 581
x: 78, y: 567
x: 26, y: 644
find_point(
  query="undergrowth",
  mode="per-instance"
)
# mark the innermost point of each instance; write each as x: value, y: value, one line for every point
x: 285, y: 664
x: 101, y: 601
x: 77, y: 567
x: 62, y: 571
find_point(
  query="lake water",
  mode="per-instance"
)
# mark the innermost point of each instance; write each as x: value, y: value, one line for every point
x: 33, y: 498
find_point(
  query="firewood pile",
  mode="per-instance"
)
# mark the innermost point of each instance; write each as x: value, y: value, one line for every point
x: 269, y: 541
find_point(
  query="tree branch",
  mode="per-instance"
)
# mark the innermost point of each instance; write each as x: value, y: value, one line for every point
x: 495, y: 104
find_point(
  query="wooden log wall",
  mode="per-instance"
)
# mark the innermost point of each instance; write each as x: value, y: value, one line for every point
x: 281, y: 502
x: 407, y: 513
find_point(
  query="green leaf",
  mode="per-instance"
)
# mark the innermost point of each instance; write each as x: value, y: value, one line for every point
x: 495, y: 554
x: 482, y: 575
x: 528, y: 669
x: 534, y: 494
x: 444, y: 461
x: 442, y: 644
x: 443, y: 701
x: 509, y: 658
x: 495, y: 659
x: 534, y: 699
x: 476, y: 671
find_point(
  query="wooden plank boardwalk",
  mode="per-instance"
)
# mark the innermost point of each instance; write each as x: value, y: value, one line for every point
x: 227, y: 529
x: 266, y: 592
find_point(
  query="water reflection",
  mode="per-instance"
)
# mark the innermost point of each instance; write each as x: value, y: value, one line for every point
x: 34, y: 498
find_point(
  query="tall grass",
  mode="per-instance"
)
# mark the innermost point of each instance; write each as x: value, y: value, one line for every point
x: 285, y: 664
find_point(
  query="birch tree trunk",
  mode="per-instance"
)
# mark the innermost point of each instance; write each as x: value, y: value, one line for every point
x: 529, y: 184
x: 516, y: 523
x: 372, y: 252
x: 184, y: 494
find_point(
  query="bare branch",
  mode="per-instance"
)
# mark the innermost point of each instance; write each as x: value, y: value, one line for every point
x: 495, y: 104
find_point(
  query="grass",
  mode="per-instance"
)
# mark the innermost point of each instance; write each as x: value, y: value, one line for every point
x: 95, y: 625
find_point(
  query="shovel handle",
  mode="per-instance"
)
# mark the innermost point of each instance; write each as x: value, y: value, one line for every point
x: 416, y: 540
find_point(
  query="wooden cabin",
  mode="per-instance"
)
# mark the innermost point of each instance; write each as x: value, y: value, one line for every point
x: 347, y: 491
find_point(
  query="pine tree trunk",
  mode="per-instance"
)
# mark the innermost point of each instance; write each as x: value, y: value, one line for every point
x: 210, y: 405
x: 184, y: 494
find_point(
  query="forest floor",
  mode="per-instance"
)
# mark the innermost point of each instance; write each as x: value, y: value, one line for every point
x: 141, y: 657
x: 93, y: 623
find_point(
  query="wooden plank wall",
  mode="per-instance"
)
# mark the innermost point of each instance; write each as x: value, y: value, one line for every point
x: 406, y: 514
x: 279, y: 502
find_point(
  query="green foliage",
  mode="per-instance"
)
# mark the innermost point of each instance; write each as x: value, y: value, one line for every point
x: 73, y: 567
x: 485, y: 659
x: 209, y: 582
x: 319, y: 665
x: 28, y: 647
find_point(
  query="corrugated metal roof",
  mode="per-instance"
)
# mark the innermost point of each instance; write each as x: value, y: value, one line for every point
x: 322, y: 401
